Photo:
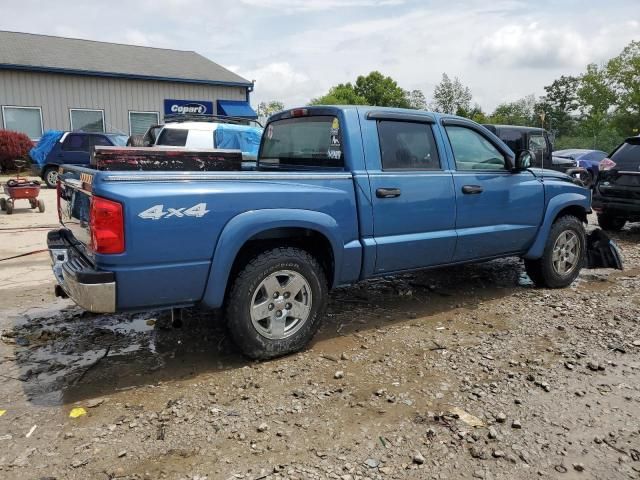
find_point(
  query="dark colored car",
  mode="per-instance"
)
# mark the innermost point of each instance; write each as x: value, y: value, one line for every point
x: 529, y: 138
x: 584, y: 158
x: 616, y: 197
x: 73, y: 148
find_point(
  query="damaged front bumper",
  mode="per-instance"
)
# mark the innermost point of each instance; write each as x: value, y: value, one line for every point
x: 602, y: 252
x: 94, y: 290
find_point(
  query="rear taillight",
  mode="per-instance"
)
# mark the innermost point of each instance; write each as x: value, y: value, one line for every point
x: 106, y: 223
x: 607, y: 164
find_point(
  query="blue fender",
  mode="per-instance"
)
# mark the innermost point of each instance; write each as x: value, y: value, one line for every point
x: 248, y: 224
x: 554, y: 207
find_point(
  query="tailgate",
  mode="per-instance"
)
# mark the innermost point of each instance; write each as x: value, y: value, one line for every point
x: 74, y: 200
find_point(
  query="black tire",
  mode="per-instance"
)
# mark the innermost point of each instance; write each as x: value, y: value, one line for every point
x: 3, y: 204
x: 239, y: 300
x: 48, y: 176
x: 41, y: 205
x: 610, y: 223
x: 9, y: 207
x: 542, y: 271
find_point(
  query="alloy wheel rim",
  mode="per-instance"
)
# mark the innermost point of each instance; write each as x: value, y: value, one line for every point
x: 52, y: 177
x: 566, y: 253
x: 281, y: 304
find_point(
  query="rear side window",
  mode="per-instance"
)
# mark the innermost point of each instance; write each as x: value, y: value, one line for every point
x: 407, y: 146
x: 173, y: 137
x: 76, y: 143
x: 99, y: 140
x: 314, y: 141
x: 627, y: 156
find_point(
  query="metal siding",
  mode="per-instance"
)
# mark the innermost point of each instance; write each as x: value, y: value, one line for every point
x: 57, y: 93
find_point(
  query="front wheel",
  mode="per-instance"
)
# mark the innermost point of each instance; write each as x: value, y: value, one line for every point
x: 563, y: 255
x: 276, y: 303
x: 50, y: 177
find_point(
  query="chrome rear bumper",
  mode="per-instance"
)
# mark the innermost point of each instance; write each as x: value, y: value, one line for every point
x: 93, y: 290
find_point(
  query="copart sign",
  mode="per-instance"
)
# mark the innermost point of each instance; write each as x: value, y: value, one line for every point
x: 172, y: 107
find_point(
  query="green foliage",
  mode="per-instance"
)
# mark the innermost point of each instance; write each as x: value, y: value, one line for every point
x: 266, y: 109
x: 416, y: 100
x: 451, y: 97
x: 373, y: 89
x: 521, y: 112
x: 560, y: 103
x: 623, y: 73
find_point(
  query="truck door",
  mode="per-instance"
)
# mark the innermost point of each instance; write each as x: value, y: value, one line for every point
x: 498, y: 211
x: 412, y: 194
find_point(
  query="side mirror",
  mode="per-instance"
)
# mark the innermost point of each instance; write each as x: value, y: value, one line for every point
x: 524, y: 158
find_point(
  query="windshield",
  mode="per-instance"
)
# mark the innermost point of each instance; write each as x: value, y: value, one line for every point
x: 303, y: 142
x: 119, y: 140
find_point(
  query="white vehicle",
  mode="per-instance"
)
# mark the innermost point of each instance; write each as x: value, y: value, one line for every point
x: 196, y: 132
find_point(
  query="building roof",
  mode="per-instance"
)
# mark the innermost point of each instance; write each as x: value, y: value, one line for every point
x: 27, y: 51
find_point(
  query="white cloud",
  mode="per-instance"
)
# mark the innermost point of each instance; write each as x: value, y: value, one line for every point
x: 292, y: 6
x: 533, y: 46
x: 278, y: 81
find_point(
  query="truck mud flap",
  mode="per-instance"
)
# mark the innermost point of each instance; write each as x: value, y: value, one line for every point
x: 602, y: 252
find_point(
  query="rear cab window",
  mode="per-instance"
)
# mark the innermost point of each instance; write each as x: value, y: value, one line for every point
x: 76, y: 143
x: 303, y: 142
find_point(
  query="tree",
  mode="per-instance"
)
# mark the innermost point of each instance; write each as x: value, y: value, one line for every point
x: 373, y: 89
x: 524, y: 111
x: 342, y: 94
x: 451, y: 96
x: 266, y: 109
x: 560, y: 104
x: 623, y: 72
x: 475, y: 113
x: 416, y: 99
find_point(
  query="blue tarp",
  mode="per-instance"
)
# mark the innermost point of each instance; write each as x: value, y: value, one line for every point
x: 236, y: 108
x: 49, y: 138
x: 238, y: 137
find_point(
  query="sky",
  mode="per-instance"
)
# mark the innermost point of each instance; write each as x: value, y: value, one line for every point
x: 296, y: 50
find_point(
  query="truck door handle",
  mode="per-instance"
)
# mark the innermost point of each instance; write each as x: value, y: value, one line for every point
x: 387, y: 192
x: 472, y: 189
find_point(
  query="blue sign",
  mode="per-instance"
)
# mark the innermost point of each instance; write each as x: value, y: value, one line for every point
x: 173, y: 107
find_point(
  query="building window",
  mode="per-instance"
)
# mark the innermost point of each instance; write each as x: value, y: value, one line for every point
x: 139, y: 122
x: 86, y: 120
x: 27, y: 120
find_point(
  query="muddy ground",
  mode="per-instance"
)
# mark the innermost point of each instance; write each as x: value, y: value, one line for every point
x: 466, y: 372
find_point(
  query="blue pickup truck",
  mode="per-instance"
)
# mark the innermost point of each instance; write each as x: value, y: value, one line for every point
x: 340, y: 194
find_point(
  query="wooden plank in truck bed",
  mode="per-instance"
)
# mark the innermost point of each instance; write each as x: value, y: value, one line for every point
x: 166, y: 159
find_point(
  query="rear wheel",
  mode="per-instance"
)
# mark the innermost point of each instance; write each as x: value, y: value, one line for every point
x: 610, y: 223
x: 41, y: 205
x: 9, y: 207
x: 3, y: 204
x: 276, y: 303
x: 50, y: 176
x: 563, y: 255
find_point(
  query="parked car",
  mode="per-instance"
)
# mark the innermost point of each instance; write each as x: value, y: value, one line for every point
x: 616, y: 197
x: 73, y: 148
x: 584, y: 158
x: 341, y: 194
x: 203, y: 132
x: 520, y: 138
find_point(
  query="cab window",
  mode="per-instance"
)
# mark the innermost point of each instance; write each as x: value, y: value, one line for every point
x: 407, y: 146
x: 472, y: 151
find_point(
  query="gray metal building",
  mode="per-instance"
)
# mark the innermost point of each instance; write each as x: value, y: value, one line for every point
x: 69, y: 84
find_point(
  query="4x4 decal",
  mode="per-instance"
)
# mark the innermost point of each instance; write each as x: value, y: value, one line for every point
x: 157, y: 212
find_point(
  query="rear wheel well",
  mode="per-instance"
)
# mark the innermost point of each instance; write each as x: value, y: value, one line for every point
x: 306, y: 239
x: 573, y: 210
